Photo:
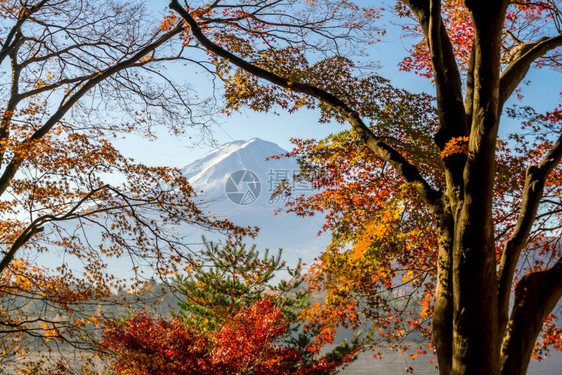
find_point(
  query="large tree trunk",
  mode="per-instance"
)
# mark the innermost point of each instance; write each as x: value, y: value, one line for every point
x: 475, y: 337
x: 476, y: 343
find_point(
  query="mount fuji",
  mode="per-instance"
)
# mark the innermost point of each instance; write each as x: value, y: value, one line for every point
x: 236, y: 182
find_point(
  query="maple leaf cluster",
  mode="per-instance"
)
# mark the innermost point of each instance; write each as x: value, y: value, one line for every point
x: 250, y: 343
x: 525, y: 20
x: 231, y: 322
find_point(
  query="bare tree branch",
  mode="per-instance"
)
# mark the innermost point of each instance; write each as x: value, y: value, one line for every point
x: 67, y: 104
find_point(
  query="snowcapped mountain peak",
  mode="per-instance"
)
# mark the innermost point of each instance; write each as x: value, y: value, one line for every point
x: 254, y: 145
x: 209, y: 173
x: 240, y: 145
x: 259, y: 143
x: 237, y: 182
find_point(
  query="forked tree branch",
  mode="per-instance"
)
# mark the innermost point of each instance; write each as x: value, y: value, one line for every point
x: 516, y: 71
x: 11, y: 39
x: 453, y: 122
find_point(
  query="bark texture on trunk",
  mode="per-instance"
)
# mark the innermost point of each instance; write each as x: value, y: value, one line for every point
x: 475, y: 321
x: 535, y: 297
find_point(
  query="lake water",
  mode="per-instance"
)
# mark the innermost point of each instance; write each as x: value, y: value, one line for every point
x: 396, y: 363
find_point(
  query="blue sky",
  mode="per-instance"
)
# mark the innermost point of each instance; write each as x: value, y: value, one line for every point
x: 543, y: 92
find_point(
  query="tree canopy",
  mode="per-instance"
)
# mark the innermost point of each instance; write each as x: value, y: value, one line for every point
x: 423, y: 191
x: 75, y: 76
x: 429, y: 200
x: 232, y: 320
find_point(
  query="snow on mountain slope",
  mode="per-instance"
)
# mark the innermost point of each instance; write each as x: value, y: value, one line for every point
x: 251, y: 175
x: 210, y: 172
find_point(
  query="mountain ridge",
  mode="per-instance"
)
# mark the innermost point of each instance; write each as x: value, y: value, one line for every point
x: 209, y: 174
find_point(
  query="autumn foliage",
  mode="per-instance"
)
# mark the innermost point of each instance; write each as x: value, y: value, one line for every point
x: 252, y: 342
x: 77, y: 77
x: 158, y: 347
x: 444, y: 215
x: 231, y: 322
x: 524, y: 21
